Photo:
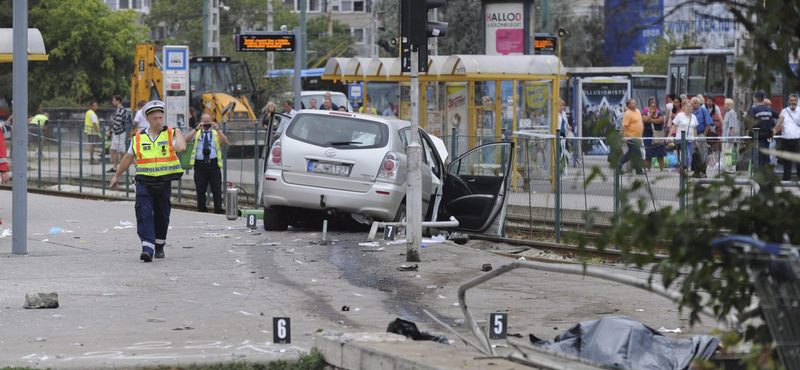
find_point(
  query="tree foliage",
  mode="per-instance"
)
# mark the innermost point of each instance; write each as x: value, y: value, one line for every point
x: 656, y: 62
x: 705, y: 277
x: 91, y: 50
x: 583, y: 47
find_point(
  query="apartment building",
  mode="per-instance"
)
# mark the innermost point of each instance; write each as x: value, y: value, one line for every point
x: 356, y: 14
x: 141, y: 6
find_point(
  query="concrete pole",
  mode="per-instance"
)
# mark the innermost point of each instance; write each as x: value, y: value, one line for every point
x: 303, y: 28
x: 19, y: 182
x: 270, y: 55
x: 298, y: 67
x: 205, y: 27
x: 414, y: 178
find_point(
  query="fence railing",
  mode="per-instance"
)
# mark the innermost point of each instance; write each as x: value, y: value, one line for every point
x: 578, y: 192
x: 61, y: 158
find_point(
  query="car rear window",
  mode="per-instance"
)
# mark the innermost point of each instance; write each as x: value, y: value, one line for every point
x: 339, y: 132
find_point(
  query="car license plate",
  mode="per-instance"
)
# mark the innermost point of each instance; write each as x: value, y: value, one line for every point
x: 329, y: 168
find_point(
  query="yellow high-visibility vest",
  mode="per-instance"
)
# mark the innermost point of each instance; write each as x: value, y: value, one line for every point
x: 156, y: 159
x: 197, y: 140
x: 39, y: 120
x: 88, y: 126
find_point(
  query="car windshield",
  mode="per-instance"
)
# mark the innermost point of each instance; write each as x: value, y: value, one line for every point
x: 340, y: 132
x: 339, y: 100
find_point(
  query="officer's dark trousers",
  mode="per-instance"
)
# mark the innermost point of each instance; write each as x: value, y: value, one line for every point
x: 152, y: 214
x: 205, y: 174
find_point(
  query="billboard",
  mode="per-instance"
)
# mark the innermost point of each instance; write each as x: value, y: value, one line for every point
x: 504, y: 29
x: 600, y: 102
x: 457, y: 111
x: 709, y: 26
x: 629, y: 27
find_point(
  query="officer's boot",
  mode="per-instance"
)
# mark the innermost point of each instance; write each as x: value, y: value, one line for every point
x: 159, y: 251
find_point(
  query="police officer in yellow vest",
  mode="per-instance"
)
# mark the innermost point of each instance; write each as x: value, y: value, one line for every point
x: 207, y: 162
x: 157, y: 164
x: 91, y: 127
x: 37, y: 129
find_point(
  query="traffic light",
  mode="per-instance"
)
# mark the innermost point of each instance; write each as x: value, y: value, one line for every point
x: 415, y: 29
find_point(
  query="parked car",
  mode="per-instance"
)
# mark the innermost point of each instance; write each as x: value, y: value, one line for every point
x: 354, y: 165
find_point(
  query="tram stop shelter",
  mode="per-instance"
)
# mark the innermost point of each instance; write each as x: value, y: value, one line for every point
x: 36, y: 50
x: 467, y: 100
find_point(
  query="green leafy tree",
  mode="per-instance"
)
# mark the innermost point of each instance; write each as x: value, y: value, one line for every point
x: 582, y: 48
x: 320, y: 43
x: 91, y: 50
x: 656, y: 62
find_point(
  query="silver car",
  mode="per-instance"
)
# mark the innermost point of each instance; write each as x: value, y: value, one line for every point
x: 350, y: 165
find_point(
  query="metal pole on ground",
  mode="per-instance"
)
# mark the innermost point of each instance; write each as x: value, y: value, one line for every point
x: 80, y: 158
x: 103, y: 156
x: 454, y: 143
x: 39, y: 158
x: 59, y: 154
x: 298, y: 66
x: 224, y: 162
x: 256, y: 176
x: 19, y: 182
x: 681, y: 172
x: 558, y: 186
x: 414, y: 152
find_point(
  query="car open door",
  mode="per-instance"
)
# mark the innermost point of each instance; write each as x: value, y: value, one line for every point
x: 275, y: 126
x: 476, y: 185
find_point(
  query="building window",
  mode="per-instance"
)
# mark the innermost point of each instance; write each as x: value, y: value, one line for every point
x: 358, y: 6
x: 123, y: 4
x: 358, y: 34
x: 347, y: 5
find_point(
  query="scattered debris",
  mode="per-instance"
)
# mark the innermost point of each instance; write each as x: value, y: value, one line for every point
x: 40, y: 339
x: 58, y: 317
x: 55, y: 231
x: 184, y: 328
x: 245, y: 313
x: 369, y: 244
x: 458, y: 238
x: 244, y: 244
x: 639, y: 310
x: 6, y: 232
x: 486, y: 267
x: 408, y: 268
x: 431, y: 287
x: 358, y: 295
x: 125, y: 223
x: 45, y: 240
x: 156, y: 320
x: 409, y: 330
x: 41, y: 300
x: 345, y: 308
x: 71, y: 221
x: 442, y: 297
x: 270, y: 244
x: 665, y: 330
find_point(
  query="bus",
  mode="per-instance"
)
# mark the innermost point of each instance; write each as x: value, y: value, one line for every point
x: 710, y: 72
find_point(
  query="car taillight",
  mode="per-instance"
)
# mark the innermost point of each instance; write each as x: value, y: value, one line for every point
x: 275, y: 153
x: 389, y: 166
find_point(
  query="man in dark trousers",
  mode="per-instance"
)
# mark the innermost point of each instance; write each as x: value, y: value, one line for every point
x: 157, y: 165
x: 764, y: 119
x: 207, y: 162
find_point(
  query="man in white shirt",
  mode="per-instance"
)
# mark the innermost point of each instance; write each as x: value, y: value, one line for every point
x: 139, y: 121
x: 789, y: 127
x: 288, y: 109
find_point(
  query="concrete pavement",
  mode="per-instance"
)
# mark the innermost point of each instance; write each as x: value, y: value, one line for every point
x: 204, y: 302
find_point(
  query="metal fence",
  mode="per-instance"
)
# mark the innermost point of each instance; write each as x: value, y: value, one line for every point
x: 548, y: 197
x: 59, y: 159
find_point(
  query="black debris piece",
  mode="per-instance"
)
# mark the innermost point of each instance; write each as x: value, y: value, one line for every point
x: 409, y: 330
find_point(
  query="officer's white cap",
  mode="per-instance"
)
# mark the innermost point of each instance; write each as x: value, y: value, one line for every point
x: 153, y: 106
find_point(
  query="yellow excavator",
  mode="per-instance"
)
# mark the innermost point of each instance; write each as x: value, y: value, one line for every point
x: 214, y: 83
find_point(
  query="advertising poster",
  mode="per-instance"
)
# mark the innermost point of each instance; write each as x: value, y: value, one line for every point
x: 537, y: 96
x: 505, y: 29
x: 711, y: 26
x: 433, y: 123
x: 603, y: 104
x: 405, y: 102
x: 457, y: 114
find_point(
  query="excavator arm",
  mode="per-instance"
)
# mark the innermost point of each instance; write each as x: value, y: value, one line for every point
x: 146, y: 80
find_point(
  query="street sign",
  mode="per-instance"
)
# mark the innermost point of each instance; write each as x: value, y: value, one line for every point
x: 545, y: 43
x: 281, y: 330
x: 176, y: 86
x: 276, y: 41
x: 356, y: 91
x: 498, y: 325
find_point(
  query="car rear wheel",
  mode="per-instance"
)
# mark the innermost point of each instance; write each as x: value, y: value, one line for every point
x: 400, y: 216
x: 275, y: 219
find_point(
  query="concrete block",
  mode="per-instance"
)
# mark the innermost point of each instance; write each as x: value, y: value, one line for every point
x: 41, y: 300
x: 331, y: 349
